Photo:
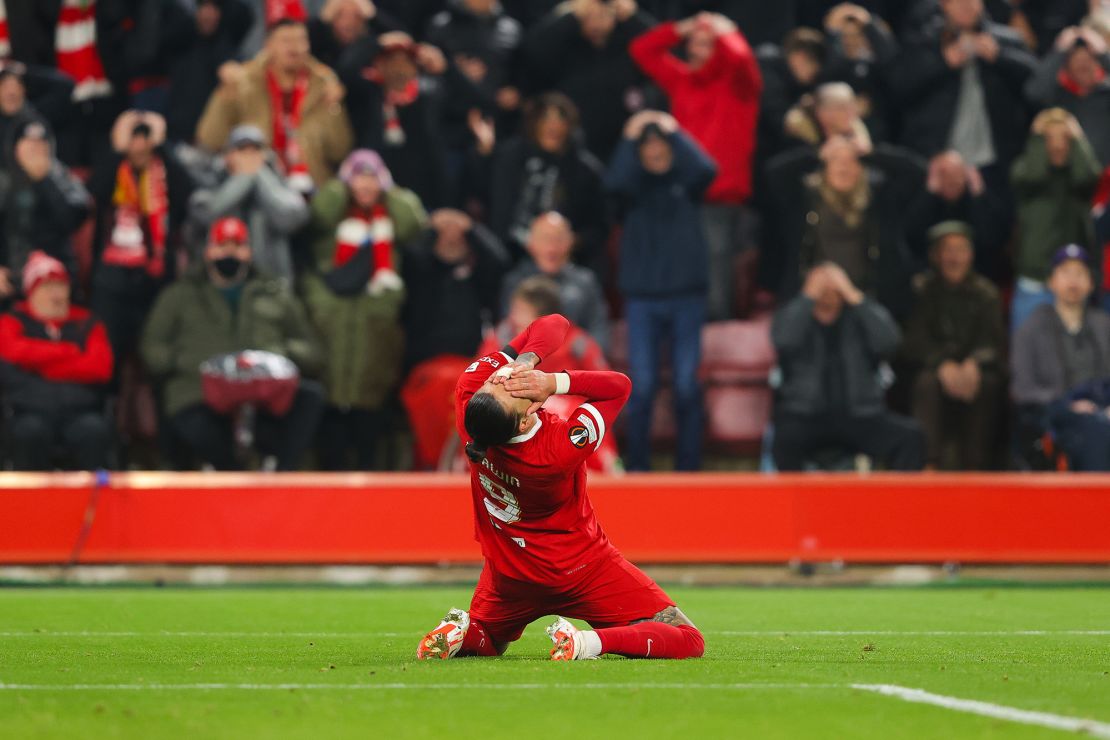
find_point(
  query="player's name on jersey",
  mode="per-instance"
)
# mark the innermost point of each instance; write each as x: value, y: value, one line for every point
x: 510, y: 479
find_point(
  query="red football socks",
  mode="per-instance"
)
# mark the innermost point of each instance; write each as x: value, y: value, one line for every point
x: 477, y: 642
x: 651, y: 640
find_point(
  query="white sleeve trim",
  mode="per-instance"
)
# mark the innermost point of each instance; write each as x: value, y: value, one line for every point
x: 562, y: 384
x: 592, y: 411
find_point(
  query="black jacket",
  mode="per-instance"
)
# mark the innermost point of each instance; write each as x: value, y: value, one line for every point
x: 867, y: 335
x: 102, y: 185
x: 447, y: 304
x: 194, y: 64
x: 39, y: 215
x: 604, y: 83
x: 578, y: 193
x: 896, y: 180
x: 929, y: 90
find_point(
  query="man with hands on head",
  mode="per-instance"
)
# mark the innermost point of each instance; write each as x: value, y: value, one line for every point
x: 831, y: 340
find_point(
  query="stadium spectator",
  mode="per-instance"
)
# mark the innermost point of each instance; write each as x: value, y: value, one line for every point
x: 54, y: 363
x: 211, y: 40
x: 292, y: 98
x: 483, y: 43
x: 1073, y: 77
x: 788, y: 72
x: 544, y: 170
x: 41, y: 204
x: 660, y: 173
x: 453, y: 273
x: 714, y: 94
x: 31, y: 92
x: 1080, y: 423
x: 341, y: 24
x: 250, y: 188
x: 224, y: 306
x: 141, y: 196
x: 831, y: 340
x: 833, y: 110
x: 836, y: 207
x: 549, y: 245
x: 1060, y: 347
x: 861, y: 50
x: 1053, y: 181
x: 955, y: 191
x: 396, y: 91
x: 961, y: 81
x: 581, y: 49
x: 536, y: 297
x: 362, y: 224
x: 955, y: 341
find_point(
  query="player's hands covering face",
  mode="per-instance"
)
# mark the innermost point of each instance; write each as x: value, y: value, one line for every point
x: 534, y: 385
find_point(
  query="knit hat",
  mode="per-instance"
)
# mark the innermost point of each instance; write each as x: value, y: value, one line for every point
x: 229, y: 229
x: 280, y: 11
x: 366, y: 161
x: 41, y: 267
x: 1070, y: 252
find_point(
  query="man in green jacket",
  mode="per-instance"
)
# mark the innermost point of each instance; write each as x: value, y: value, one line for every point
x: 222, y: 307
x: 1053, y: 182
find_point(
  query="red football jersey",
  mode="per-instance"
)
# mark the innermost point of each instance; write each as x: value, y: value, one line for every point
x: 532, y: 515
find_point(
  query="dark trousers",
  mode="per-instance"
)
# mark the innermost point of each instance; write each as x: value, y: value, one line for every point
x: 85, y: 438
x: 348, y: 434
x: 889, y: 438
x: 650, y: 322
x: 122, y: 298
x: 210, y: 436
x: 944, y: 419
x: 1085, y: 438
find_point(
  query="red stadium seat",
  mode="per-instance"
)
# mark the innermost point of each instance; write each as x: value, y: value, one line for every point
x: 736, y: 417
x: 737, y: 351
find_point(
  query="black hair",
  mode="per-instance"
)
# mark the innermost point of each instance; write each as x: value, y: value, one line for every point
x: 488, y: 423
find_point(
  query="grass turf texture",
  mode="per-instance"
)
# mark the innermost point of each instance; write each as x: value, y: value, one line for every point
x: 367, y: 637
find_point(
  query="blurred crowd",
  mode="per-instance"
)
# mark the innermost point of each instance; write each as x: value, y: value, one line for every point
x: 913, y: 194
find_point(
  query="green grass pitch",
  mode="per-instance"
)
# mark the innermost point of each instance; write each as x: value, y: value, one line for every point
x: 327, y: 663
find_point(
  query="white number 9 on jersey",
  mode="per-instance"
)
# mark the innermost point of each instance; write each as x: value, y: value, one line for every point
x: 500, y: 501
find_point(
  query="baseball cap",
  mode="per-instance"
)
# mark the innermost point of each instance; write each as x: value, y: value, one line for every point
x: 1070, y: 252
x: 948, y: 228
x: 229, y: 229
x: 41, y: 267
x: 245, y: 135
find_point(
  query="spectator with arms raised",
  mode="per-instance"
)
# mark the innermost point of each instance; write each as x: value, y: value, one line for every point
x: 714, y: 95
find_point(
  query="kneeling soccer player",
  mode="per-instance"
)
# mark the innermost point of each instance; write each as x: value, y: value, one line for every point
x: 545, y: 552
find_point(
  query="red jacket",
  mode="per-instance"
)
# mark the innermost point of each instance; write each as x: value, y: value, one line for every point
x: 73, y: 350
x: 718, y: 104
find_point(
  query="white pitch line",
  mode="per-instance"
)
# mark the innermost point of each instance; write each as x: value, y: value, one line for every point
x: 728, y: 633
x: 986, y: 709
x: 1089, y: 727
x: 405, y: 686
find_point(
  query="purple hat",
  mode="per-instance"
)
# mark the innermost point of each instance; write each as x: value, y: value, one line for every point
x: 365, y: 161
x: 1070, y: 252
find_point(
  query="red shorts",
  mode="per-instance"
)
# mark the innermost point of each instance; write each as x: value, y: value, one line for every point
x: 611, y: 593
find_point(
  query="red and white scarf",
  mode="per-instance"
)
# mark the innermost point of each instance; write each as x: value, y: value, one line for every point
x: 5, y: 39
x: 285, y: 111
x: 393, y: 133
x: 75, y: 50
x: 362, y: 228
x: 135, y: 199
